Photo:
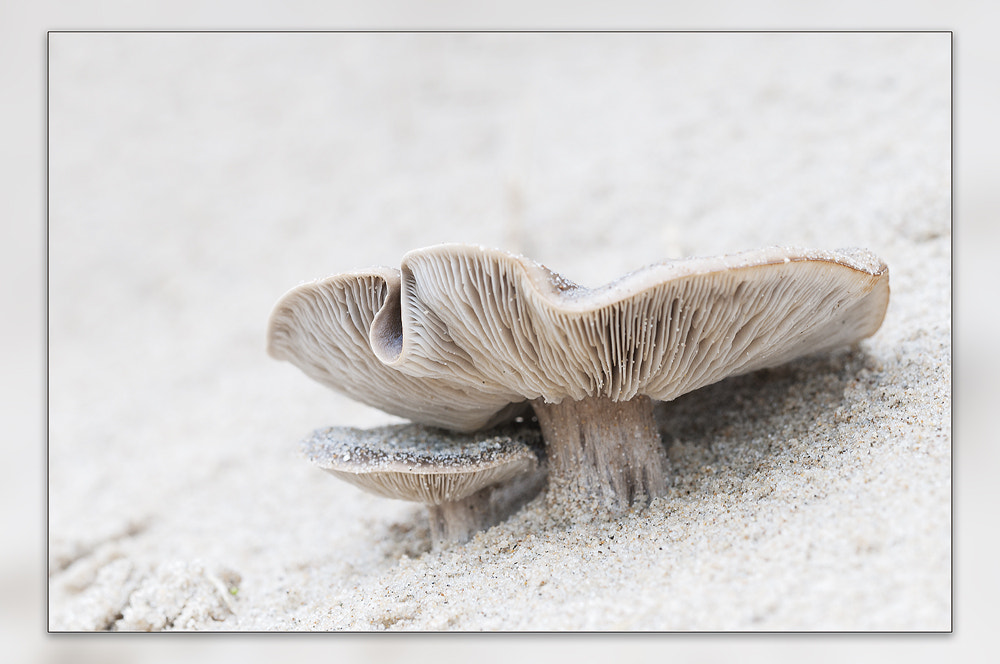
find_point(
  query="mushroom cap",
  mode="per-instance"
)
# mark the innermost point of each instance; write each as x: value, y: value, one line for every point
x: 462, y: 335
x: 423, y: 464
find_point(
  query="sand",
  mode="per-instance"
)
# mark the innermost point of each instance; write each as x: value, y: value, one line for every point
x: 196, y: 177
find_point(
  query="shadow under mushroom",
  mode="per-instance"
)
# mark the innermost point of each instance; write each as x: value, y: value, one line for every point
x: 740, y: 425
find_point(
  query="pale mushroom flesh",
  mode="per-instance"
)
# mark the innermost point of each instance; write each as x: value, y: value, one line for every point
x: 463, y: 337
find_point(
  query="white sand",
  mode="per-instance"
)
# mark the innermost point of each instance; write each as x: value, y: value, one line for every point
x: 194, y: 178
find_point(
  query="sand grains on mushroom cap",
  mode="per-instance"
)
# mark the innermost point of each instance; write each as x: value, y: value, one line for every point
x: 423, y: 464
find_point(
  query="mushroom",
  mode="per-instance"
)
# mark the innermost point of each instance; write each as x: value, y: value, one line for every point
x: 463, y: 337
x: 468, y: 481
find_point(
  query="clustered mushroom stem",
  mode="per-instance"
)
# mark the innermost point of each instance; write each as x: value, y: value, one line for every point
x: 603, y: 452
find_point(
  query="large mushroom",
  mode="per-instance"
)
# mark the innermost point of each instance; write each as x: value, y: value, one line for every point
x: 463, y: 337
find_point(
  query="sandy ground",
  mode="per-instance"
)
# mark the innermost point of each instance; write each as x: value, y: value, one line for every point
x: 195, y: 178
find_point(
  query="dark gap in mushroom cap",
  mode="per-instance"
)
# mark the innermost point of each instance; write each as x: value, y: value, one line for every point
x: 386, y: 333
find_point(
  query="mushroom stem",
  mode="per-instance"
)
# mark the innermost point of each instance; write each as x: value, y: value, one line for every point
x: 603, y: 452
x: 459, y: 520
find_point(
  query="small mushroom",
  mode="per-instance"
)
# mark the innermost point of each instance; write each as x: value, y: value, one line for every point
x: 468, y: 481
x: 463, y: 337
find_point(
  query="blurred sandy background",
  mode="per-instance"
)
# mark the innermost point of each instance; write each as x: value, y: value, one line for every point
x: 196, y: 177
x: 192, y: 191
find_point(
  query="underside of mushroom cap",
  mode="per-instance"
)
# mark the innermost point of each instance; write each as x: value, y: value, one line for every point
x: 462, y: 335
x: 422, y: 464
x: 325, y: 329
